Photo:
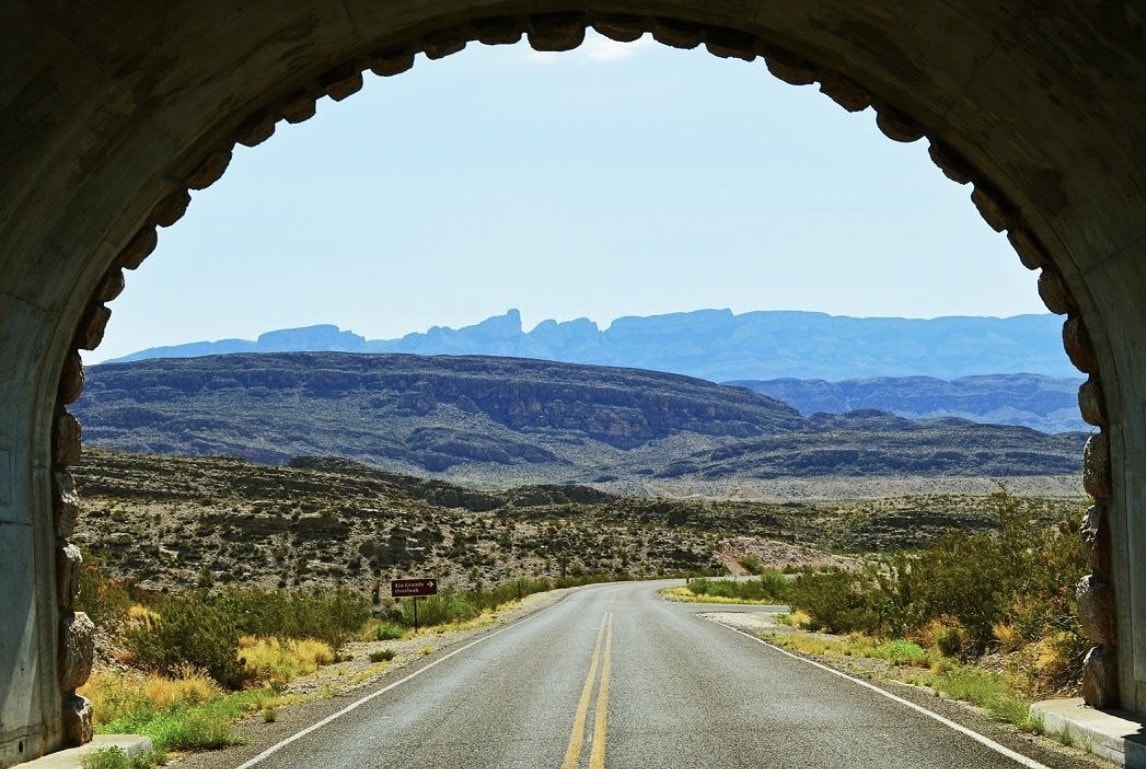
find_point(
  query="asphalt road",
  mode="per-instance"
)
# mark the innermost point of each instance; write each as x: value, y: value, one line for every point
x: 613, y: 676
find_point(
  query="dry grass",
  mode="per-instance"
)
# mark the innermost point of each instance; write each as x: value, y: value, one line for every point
x: 684, y: 595
x: 277, y: 662
x: 116, y: 695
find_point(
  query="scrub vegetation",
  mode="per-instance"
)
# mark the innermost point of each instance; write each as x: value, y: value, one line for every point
x: 219, y: 584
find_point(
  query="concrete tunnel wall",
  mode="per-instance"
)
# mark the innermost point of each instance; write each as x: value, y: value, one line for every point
x: 113, y: 111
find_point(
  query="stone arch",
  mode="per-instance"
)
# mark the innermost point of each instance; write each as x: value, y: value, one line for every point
x: 118, y: 121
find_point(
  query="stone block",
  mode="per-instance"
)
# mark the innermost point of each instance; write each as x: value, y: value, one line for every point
x: 1100, y: 679
x: 1054, y: 293
x: 78, y: 729
x: 90, y: 332
x: 71, y: 379
x: 499, y: 30
x: 1096, y: 535
x: 1096, y: 610
x: 171, y: 208
x: 556, y: 31
x: 138, y: 249
x: 76, y: 650
x: 1092, y: 402
x: 66, y: 446
x: 210, y: 170
x: 1076, y: 341
x: 1096, y: 475
x: 68, y: 563
x: 65, y: 503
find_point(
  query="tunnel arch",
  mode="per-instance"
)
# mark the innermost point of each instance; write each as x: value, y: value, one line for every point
x: 120, y: 118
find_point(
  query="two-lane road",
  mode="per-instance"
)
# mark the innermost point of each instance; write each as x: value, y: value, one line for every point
x: 613, y: 676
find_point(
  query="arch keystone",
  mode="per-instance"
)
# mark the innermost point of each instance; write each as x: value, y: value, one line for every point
x: 556, y: 31
x: 623, y: 28
x: 498, y: 30
x: 390, y: 62
x: 677, y: 34
x: 438, y: 45
x: 731, y: 43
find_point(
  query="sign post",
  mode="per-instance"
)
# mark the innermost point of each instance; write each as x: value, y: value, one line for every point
x: 413, y: 588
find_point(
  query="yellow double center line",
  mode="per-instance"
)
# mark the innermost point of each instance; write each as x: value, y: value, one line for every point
x: 600, y: 716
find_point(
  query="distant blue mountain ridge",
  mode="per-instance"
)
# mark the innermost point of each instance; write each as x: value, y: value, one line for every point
x: 715, y: 344
x: 995, y: 370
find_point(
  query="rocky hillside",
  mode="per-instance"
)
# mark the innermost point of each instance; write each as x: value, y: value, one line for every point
x: 1046, y: 404
x: 503, y: 421
x: 179, y: 521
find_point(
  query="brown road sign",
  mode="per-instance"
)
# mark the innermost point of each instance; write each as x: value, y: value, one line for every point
x: 413, y: 588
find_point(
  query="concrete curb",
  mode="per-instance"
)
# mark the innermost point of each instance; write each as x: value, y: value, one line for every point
x: 71, y: 758
x: 1115, y: 735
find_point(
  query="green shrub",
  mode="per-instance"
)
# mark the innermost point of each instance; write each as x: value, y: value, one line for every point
x: 440, y: 609
x: 189, y: 632
x: 115, y: 757
x: 770, y: 585
x: 382, y: 655
x: 751, y: 564
x: 389, y: 632
x: 836, y: 600
x: 332, y: 616
x: 106, y: 601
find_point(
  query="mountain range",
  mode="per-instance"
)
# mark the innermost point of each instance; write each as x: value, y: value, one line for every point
x: 716, y: 345
x: 507, y: 421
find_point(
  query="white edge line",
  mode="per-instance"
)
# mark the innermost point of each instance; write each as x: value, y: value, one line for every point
x: 359, y: 703
x: 986, y: 742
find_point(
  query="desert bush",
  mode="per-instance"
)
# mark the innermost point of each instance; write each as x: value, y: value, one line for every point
x: 106, y: 601
x: 836, y: 600
x: 382, y: 655
x: 770, y: 585
x: 331, y: 616
x: 966, y: 593
x: 440, y: 609
x: 188, y: 631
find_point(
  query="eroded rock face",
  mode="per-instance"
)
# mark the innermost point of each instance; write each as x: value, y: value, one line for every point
x: 77, y: 650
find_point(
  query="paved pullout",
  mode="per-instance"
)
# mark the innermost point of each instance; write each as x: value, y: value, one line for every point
x: 614, y: 676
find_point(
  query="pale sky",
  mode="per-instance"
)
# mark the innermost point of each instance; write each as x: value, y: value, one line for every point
x: 609, y: 181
